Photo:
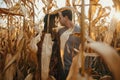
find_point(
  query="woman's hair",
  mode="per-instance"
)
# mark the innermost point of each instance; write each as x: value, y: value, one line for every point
x: 49, y: 25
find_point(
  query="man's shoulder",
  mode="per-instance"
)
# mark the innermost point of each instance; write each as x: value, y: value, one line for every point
x: 77, y: 28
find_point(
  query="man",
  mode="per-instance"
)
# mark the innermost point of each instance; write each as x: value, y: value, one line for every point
x: 68, y: 42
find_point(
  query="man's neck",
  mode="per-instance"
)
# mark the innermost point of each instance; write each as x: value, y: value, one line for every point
x: 69, y: 24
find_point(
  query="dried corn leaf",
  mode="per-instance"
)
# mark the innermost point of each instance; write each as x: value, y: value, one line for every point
x: 24, y: 11
x: 73, y: 2
x: 109, y: 34
x: 93, y: 10
x: 51, y: 78
x: 8, y: 2
x: 62, y: 9
x: 68, y: 3
x: 74, y: 73
x: 20, y: 36
x: 117, y: 4
x: 49, y: 5
x: 44, y: 2
x: 33, y: 48
x: 101, y: 13
x: 16, y: 56
x: 109, y: 55
x: 74, y: 69
x: 33, y: 43
x: 15, y: 8
x: 46, y: 54
x: 29, y: 76
x: 55, y: 4
x: 10, y: 72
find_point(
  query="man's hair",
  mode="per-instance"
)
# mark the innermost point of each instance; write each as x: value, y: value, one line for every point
x: 67, y: 13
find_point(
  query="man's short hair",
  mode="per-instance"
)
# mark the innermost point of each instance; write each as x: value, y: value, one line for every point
x: 67, y: 13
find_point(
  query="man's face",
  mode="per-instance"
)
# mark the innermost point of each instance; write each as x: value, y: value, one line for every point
x: 62, y: 19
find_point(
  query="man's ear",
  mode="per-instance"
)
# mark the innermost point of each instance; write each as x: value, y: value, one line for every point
x: 66, y: 17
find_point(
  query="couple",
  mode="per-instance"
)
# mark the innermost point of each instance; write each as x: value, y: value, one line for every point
x: 64, y: 43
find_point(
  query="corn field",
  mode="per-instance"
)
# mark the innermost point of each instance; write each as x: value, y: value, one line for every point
x: 21, y: 39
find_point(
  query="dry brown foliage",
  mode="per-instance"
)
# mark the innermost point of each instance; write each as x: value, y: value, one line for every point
x: 18, y: 38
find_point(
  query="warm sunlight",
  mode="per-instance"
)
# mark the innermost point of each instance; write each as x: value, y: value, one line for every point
x: 117, y: 15
x: 108, y: 3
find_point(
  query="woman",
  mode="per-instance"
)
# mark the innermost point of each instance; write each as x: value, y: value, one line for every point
x: 55, y: 65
